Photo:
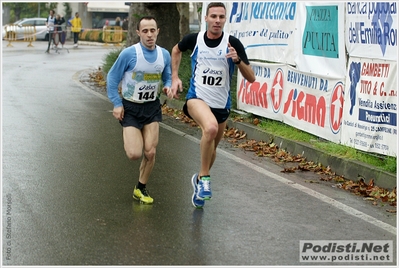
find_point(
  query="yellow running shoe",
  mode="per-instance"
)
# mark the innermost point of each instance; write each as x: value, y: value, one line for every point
x: 142, y: 195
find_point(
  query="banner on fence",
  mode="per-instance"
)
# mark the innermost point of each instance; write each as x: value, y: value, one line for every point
x: 264, y: 96
x: 372, y: 30
x: 313, y: 103
x: 320, y: 47
x: 266, y: 29
x: 371, y: 104
x: 309, y: 102
x: 350, y: 101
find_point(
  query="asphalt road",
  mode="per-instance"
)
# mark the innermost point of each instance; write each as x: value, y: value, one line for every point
x: 67, y: 185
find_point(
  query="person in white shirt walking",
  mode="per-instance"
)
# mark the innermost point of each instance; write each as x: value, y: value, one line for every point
x: 50, y: 22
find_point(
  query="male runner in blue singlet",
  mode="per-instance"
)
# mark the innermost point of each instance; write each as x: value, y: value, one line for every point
x: 208, y: 102
x: 143, y: 69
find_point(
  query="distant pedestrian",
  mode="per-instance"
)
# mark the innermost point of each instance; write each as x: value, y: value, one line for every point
x: 125, y: 24
x: 59, y: 20
x: 50, y: 22
x: 118, y: 21
x: 76, y: 28
x: 105, y: 31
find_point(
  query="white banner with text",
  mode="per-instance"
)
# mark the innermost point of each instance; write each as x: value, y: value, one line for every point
x: 371, y: 103
x: 266, y: 29
x: 309, y: 102
x: 372, y: 30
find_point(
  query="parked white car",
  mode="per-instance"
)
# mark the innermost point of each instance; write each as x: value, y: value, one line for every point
x: 39, y: 23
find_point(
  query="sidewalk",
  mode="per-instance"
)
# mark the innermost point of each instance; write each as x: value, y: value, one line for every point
x: 40, y: 45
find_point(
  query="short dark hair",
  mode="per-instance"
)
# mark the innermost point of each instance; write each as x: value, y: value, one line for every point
x: 214, y: 4
x: 146, y: 18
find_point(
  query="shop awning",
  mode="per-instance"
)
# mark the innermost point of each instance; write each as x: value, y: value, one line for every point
x: 107, y: 7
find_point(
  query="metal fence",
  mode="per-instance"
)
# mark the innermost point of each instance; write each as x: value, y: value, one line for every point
x: 112, y: 34
x: 18, y: 33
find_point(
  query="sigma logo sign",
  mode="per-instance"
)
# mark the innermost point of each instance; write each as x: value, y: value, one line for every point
x: 314, y: 109
x: 277, y: 90
x: 336, y: 107
x: 305, y: 106
x: 265, y: 93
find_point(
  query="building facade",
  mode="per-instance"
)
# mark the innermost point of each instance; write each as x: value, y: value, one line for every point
x: 93, y: 14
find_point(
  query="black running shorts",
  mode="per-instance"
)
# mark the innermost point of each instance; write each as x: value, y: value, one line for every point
x: 221, y: 115
x: 139, y: 114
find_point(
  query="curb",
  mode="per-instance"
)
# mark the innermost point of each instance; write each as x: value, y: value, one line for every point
x: 349, y: 169
x: 88, y: 43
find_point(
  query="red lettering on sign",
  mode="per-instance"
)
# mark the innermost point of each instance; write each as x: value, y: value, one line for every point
x: 253, y: 93
x: 306, y: 107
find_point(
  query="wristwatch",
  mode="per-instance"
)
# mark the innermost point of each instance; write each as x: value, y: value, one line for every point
x: 238, y: 62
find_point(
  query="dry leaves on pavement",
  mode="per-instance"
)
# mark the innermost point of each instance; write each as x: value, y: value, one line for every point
x: 98, y: 77
x: 239, y: 139
x: 264, y: 149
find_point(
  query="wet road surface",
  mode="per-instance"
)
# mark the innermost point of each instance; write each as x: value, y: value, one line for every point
x: 67, y: 186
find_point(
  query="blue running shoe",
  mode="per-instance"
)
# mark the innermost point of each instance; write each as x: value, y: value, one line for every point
x: 204, y: 188
x: 196, y: 202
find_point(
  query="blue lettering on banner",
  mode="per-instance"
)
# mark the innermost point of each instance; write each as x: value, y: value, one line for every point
x: 261, y: 71
x: 303, y: 80
x: 365, y: 103
x: 382, y: 29
x: 385, y: 105
x: 382, y: 9
x: 385, y: 118
x: 244, y: 11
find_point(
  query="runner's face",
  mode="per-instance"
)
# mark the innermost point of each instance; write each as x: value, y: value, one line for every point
x: 216, y: 19
x: 148, y: 33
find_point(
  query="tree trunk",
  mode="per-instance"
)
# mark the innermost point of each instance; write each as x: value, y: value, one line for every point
x: 167, y: 17
x: 198, y: 9
x: 184, y: 11
x: 135, y: 13
x: 17, y: 13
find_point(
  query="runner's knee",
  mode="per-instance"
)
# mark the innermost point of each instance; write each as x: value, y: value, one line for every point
x: 210, y: 131
x: 133, y: 155
x: 150, y: 154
